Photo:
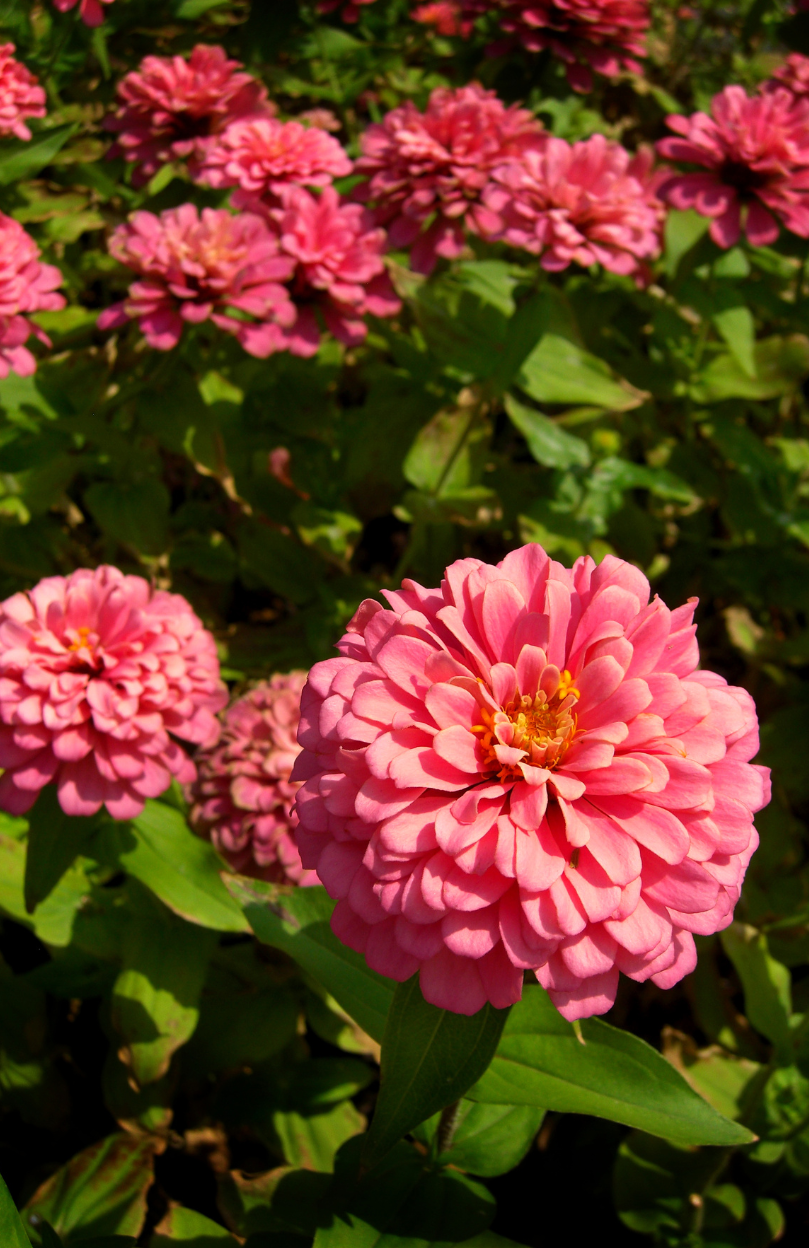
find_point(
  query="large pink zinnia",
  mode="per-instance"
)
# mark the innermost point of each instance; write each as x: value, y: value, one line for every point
x: 604, y: 35
x: 242, y: 797
x: 427, y: 171
x: 262, y: 155
x: 26, y: 285
x: 98, y: 674
x: 90, y: 11
x: 21, y: 95
x: 197, y: 266
x: 754, y: 155
x: 524, y: 769
x: 586, y: 202
x: 170, y: 107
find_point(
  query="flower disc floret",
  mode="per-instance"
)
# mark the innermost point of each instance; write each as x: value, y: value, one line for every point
x: 98, y: 675
x: 21, y: 96
x: 242, y: 797
x: 26, y: 285
x: 526, y: 770
x: 262, y: 155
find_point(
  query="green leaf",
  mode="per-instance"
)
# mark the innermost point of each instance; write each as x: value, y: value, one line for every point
x: 430, y: 1057
x: 297, y: 922
x: 767, y: 986
x: 614, y: 476
x: 12, y: 1231
x: 135, y: 514
x: 613, y: 1075
x: 653, y: 1180
x: 449, y: 453
x: 781, y: 364
x: 548, y: 443
x: 102, y: 1191
x: 54, y: 842
x: 738, y: 329
x: 184, y: 871
x: 54, y: 918
x: 281, y: 1201
x: 271, y: 559
x: 683, y: 230
x: 558, y: 371
x: 311, y: 1141
x: 24, y: 158
x: 186, y: 1226
x: 492, y: 1139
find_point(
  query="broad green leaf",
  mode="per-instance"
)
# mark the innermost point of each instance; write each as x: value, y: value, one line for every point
x: 653, y: 1180
x: 237, y: 1028
x: 492, y: 1139
x: 190, y: 10
x: 450, y: 451
x: 184, y: 871
x: 334, y: 533
x: 683, y: 230
x: 548, y: 442
x: 54, y: 841
x: 614, y: 476
x: 612, y: 1074
x: 54, y: 918
x: 724, y: 1079
x: 281, y: 1201
x: 493, y: 281
x: 310, y: 1141
x: 102, y: 1191
x: 136, y: 514
x: 297, y: 921
x: 186, y: 1226
x: 21, y: 158
x: 558, y: 371
x: 12, y: 1231
x: 430, y: 1057
x: 781, y: 364
x: 767, y: 986
x: 738, y: 329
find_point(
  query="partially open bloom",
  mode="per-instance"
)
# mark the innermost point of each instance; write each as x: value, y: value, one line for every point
x: 602, y: 35
x: 427, y: 171
x: 350, y: 8
x: 793, y: 74
x: 242, y: 797
x: 444, y: 16
x: 170, y: 107
x: 754, y: 158
x: 337, y: 252
x: 90, y: 11
x: 21, y: 95
x: 26, y: 285
x: 525, y: 769
x: 198, y: 266
x: 98, y: 674
x: 261, y: 155
x: 578, y: 202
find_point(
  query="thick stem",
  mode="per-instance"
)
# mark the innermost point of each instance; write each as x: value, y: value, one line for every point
x: 447, y: 1127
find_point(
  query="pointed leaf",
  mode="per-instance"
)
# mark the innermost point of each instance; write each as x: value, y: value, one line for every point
x: 24, y: 158
x: 739, y: 332
x: 767, y: 985
x: 548, y: 442
x: 12, y: 1231
x: 54, y: 842
x: 559, y: 371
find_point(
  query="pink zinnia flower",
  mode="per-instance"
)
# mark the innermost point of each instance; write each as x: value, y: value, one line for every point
x: 793, y: 74
x: 524, y: 769
x: 339, y: 270
x: 754, y: 155
x: 604, y: 35
x: 171, y: 107
x: 26, y: 285
x: 431, y: 169
x: 242, y: 797
x: 261, y: 155
x: 350, y: 11
x: 444, y: 15
x: 198, y: 266
x: 90, y: 11
x: 580, y: 201
x: 21, y: 95
x: 97, y: 674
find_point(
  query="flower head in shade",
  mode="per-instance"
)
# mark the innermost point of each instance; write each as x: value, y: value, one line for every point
x: 195, y: 266
x: 261, y: 155
x: 26, y: 285
x: 427, y: 171
x: 242, y: 797
x: 170, y: 107
x: 586, y: 202
x: 753, y: 155
x: 602, y: 35
x: 21, y: 95
x: 350, y: 8
x: 793, y: 74
x: 90, y: 11
x: 525, y: 769
x: 339, y: 271
x: 98, y: 674
x: 444, y: 16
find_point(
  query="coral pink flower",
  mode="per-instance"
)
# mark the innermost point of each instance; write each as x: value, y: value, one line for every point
x: 754, y: 155
x: 793, y: 74
x: 431, y: 169
x: 26, y: 285
x: 339, y: 269
x: 601, y: 35
x: 198, y: 266
x: 170, y: 107
x: 350, y: 11
x: 524, y: 769
x: 580, y: 201
x: 90, y: 11
x: 242, y: 797
x: 21, y: 95
x: 97, y: 674
x: 445, y: 16
x: 261, y: 155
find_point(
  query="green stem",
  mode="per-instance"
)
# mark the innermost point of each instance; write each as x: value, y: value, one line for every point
x: 447, y: 1126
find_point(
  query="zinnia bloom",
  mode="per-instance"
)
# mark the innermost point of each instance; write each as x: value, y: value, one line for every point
x: 580, y: 201
x: 26, y: 285
x: 262, y: 155
x: 604, y: 35
x: 525, y: 769
x: 21, y: 95
x: 754, y: 155
x: 427, y: 171
x: 171, y: 107
x: 444, y: 15
x: 198, y: 266
x: 242, y: 797
x: 90, y: 11
x: 793, y: 74
x: 97, y: 674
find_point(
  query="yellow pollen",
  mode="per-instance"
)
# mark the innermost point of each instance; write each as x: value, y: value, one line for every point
x: 84, y: 633
x: 542, y: 727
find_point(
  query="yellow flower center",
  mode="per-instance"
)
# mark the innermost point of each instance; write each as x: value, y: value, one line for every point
x: 542, y: 727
